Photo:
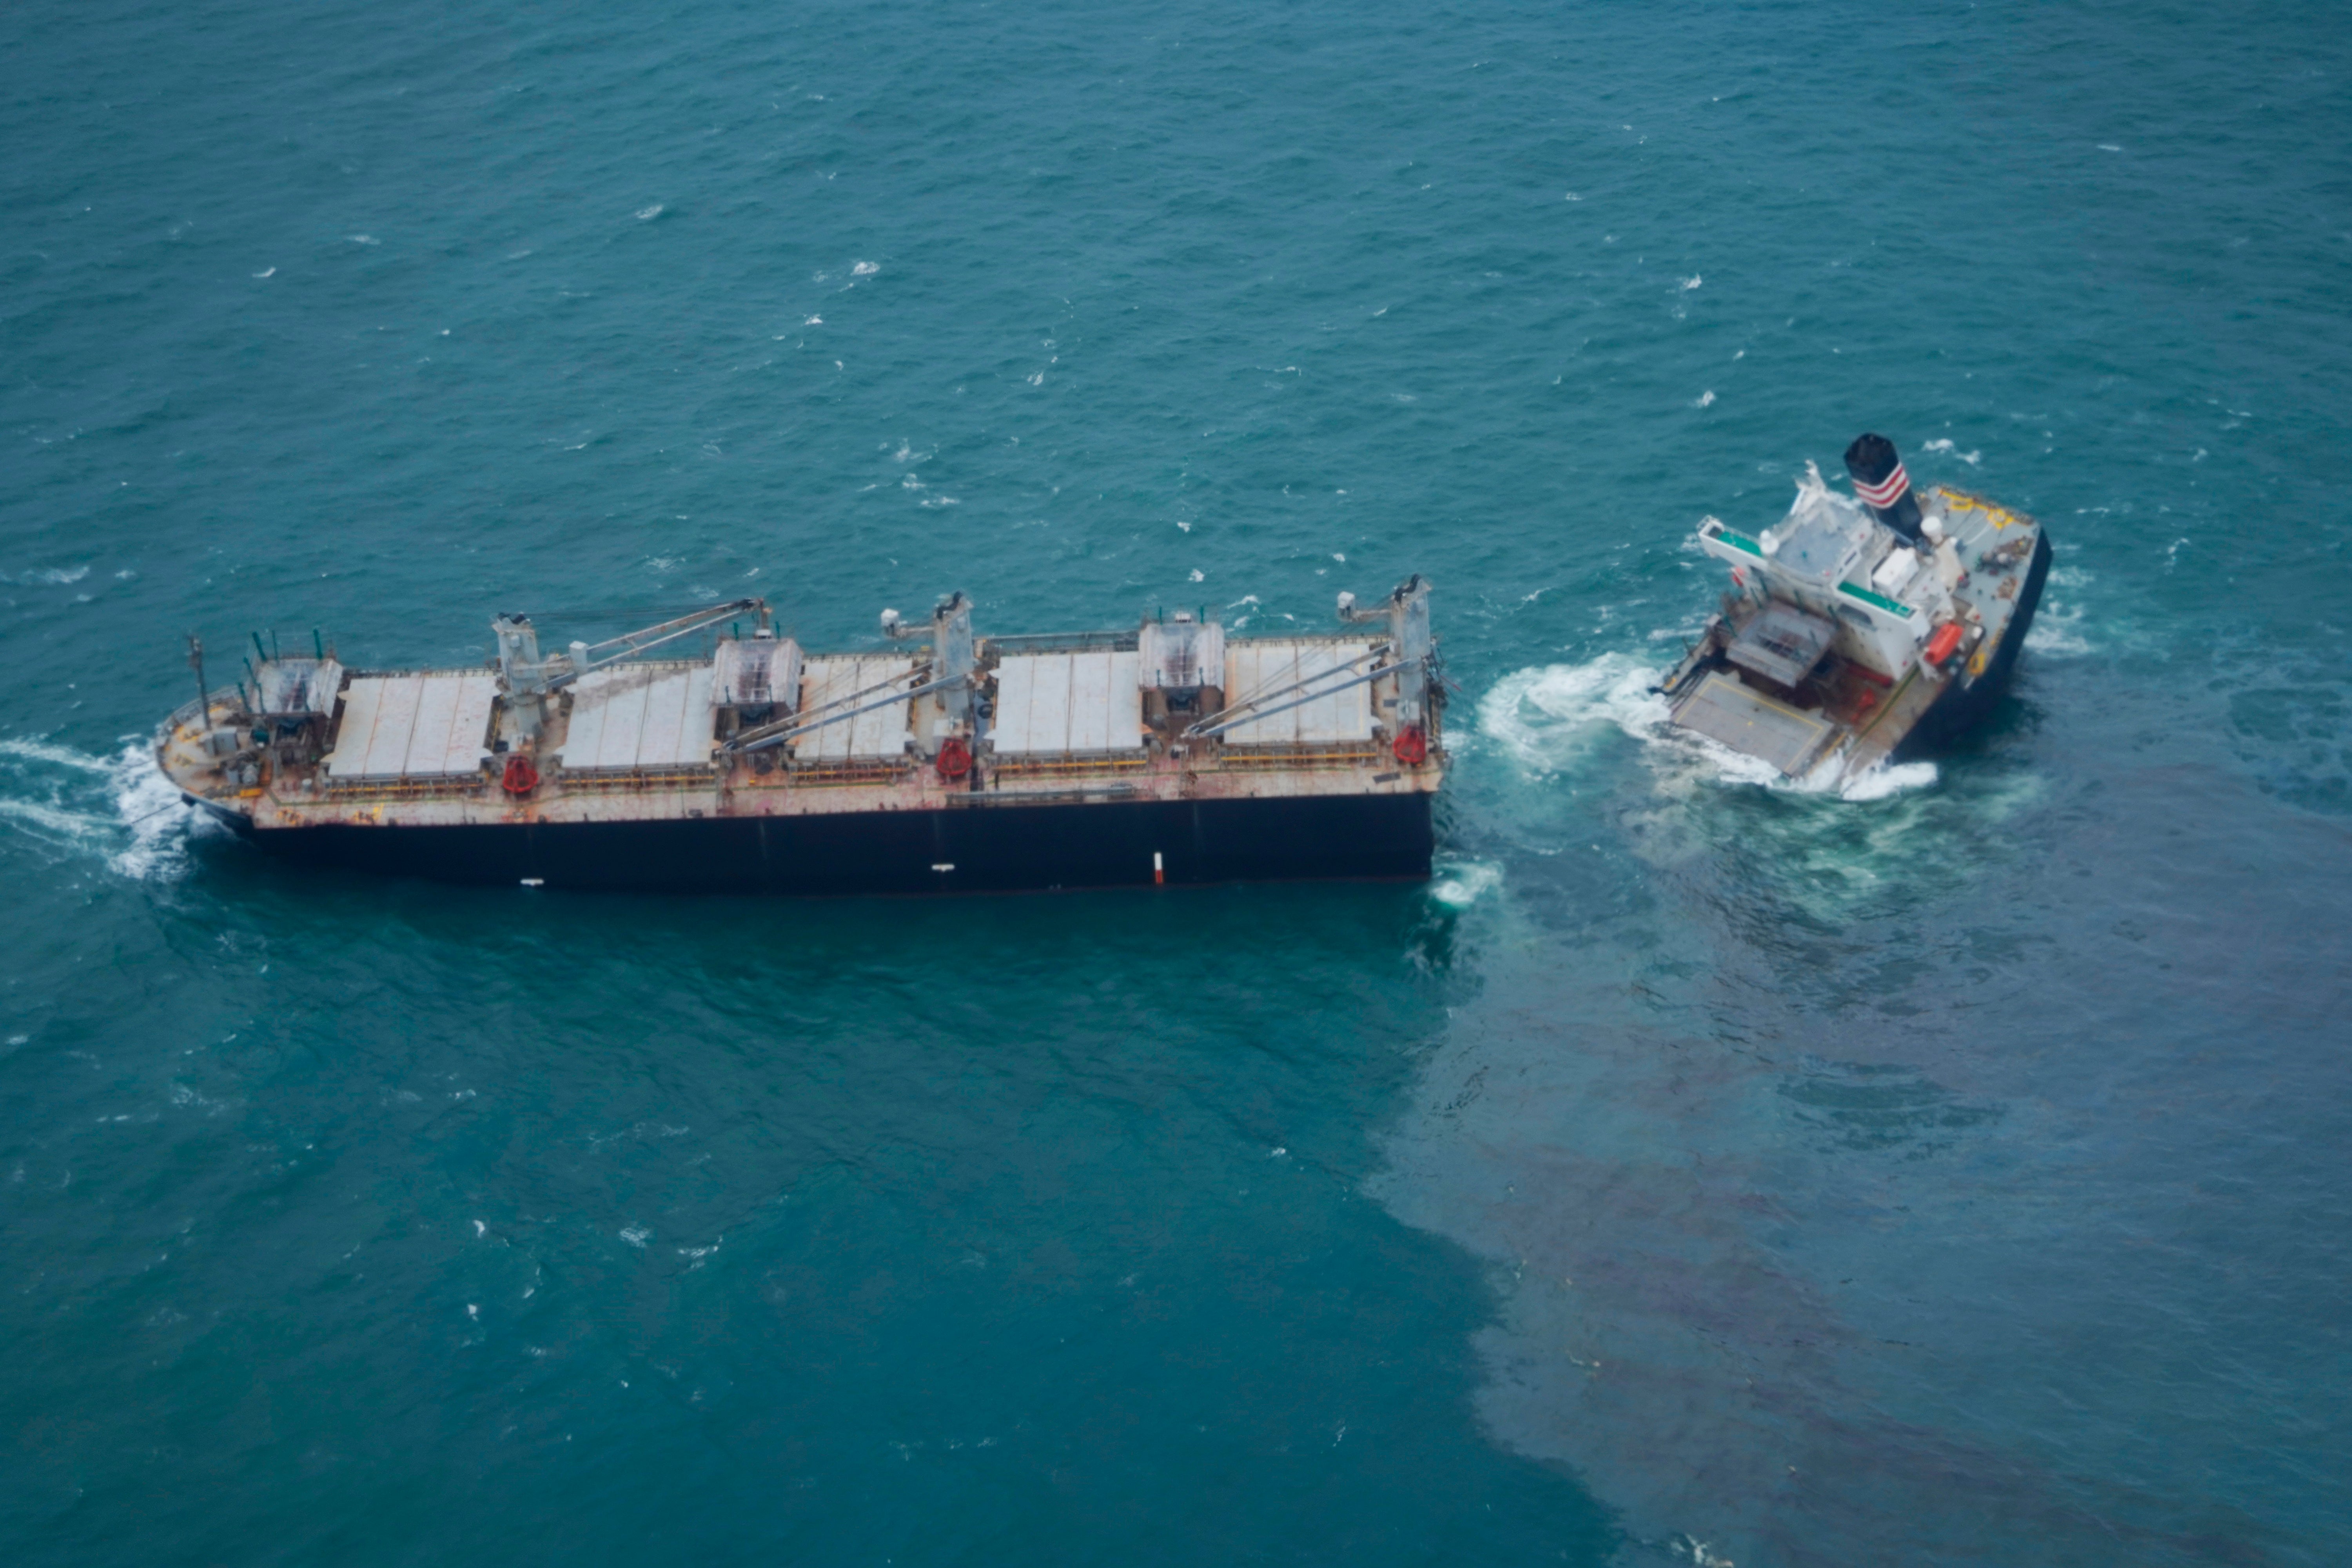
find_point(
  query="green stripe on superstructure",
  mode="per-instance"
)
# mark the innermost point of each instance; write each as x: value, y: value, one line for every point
x: 1739, y: 540
x: 1878, y: 601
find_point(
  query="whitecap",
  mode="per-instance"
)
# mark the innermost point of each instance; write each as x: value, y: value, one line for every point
x: 1705, y: 400
x: 1197, y: 576
x: 364, y: 239
x: 864, y: 269
x: 267, y: 272
x: 647, y: 214
x: 1691, y: 282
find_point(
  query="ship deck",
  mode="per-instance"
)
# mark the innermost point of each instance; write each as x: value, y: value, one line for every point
x: 636, y: 742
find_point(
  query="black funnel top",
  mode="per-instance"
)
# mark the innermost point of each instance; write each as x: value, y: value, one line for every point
x: 1882, y: 486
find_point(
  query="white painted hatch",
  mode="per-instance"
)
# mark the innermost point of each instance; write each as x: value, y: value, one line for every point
x: 1054, y: 704
x: 641, y: 716
x: 1263, y: 668
x: 868, y: 737
x: 431, y: 724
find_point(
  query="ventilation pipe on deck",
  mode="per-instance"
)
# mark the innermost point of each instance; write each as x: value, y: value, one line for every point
x: 1879, y: 480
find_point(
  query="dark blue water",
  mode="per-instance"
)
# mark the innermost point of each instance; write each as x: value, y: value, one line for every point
x: 1694, y: 1172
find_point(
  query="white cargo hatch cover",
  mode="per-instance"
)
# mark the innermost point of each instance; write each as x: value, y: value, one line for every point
x: 880, y: 734
x: 1265, y: 668
x: 1052, y: 704
x: 641, y: 716
x: 425, y: 725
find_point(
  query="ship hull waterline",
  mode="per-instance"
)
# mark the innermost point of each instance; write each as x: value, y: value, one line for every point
x: 994, y: 848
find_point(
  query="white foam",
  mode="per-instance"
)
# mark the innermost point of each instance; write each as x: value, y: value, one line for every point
x: 2057, y: 632
x: 48, y: 576
x: 1464, y: 885
x: 122, y: 809
x: 61, y: 756
x: 67, y: 825
x: 1548, y: 719
x: 864, y: 269
x: 647, y: 214
x: 1882, y: 782
x: 149, y: 810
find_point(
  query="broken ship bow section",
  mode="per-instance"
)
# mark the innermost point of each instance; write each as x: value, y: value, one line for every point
x: 1865, y: 630
x: 940, y: 760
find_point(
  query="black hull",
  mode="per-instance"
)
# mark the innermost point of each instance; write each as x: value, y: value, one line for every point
x: 994, y: 848
x: 1965, y: 705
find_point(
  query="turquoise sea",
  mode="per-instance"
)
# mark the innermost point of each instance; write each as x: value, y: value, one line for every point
x: 1694, y: 1172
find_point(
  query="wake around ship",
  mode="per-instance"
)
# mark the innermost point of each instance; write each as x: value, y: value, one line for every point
x: 1862, y: 631
x: 1167, y: 753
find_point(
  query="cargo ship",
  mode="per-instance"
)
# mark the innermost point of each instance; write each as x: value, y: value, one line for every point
x: 708, y: 753
x: 1862, y: 630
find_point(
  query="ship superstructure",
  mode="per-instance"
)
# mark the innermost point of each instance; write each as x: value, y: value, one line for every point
x: 710, y: 752
x: 1862, y: 630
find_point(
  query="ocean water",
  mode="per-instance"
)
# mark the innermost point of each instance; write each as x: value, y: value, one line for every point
x: 1694, y: 1171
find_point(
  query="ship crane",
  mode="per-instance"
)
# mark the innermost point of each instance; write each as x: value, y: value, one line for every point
x: 526, y: 681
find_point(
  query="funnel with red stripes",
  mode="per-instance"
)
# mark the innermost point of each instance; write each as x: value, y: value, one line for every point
x: 1882, y: 486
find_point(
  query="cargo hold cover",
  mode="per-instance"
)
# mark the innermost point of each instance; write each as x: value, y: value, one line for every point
x: 1724, y: 710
